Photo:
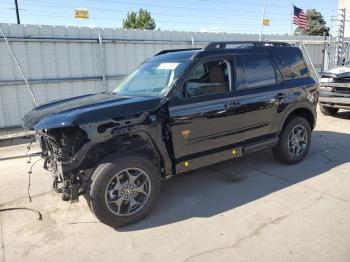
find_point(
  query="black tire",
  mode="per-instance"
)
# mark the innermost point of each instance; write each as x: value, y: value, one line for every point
x: 281, y: 151
x: 101, y: 178
x: 329, y: 111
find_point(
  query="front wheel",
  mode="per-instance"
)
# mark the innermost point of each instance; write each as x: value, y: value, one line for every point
x: 294, y: 142
x: 329, y: 111
x: 124, y: 190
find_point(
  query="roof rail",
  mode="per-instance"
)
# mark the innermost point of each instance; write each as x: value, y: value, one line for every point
x: 240, y: 44
x: 176, y: 50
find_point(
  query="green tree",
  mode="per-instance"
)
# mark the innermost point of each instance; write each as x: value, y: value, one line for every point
x: 140, y: 20
x: 316, y: 25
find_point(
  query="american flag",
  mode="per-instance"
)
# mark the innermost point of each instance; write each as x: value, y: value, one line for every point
x: 299, y: 18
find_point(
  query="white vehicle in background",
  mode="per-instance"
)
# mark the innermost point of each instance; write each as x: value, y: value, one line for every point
x: 335, y: 90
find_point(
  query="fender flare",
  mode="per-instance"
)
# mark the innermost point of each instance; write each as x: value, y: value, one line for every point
x: 292, y: 108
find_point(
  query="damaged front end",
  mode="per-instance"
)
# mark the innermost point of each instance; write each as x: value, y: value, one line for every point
x: 59, y: 147
x: 75, y: 134
x: 72, y: 153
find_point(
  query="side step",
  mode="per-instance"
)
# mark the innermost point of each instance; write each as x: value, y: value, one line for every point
x: 234, y: 152
x: 255, y: 147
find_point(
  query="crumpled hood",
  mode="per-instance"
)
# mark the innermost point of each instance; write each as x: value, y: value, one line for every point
x: 86, y: 109
x: 338, y: 72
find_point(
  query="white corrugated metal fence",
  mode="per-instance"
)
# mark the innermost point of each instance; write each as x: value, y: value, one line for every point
x: 62, y: 62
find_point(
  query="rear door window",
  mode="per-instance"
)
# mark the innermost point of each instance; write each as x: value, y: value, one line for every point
x: 292, y: 66
x: 258, y: 71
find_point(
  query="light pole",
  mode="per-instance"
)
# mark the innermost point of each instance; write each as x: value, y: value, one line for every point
x: 17, y: 12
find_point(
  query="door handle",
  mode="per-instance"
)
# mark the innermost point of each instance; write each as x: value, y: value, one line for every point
x: 280, y: 96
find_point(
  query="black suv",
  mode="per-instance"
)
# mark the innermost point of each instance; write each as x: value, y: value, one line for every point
x: 179, y: 111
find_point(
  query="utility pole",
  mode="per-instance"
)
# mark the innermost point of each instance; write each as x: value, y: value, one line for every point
x: 324, y: 51
x: 340, y: 36
x: 262, y: 21
x: 17, y: 12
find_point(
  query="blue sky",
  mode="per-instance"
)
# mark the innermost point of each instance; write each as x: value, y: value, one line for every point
x: 239, y: 16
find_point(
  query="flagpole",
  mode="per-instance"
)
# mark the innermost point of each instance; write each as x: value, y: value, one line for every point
x: 262, y: 19
x: 291, y: 19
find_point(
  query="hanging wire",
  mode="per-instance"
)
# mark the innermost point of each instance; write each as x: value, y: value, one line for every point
x: 29, y: 179
x: 40, y: 216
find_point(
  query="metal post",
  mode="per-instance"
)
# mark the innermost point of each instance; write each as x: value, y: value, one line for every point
x: 330, y: 59
x: 102, y: 61
x: 192, y: 42
x: 262, y: 19
x: 19, y: 67
x: 324, y: 51
x: 17, y: 12
x: 327, y: 54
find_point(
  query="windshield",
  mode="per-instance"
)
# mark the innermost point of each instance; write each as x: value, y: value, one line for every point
x: 151, y: 78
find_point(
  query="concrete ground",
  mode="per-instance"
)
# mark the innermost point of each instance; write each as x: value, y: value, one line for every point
x: 254, y: 209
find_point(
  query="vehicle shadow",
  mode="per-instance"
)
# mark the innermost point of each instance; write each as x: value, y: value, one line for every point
x: 219, y: 188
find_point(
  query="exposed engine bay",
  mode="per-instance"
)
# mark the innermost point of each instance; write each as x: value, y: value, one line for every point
x: 58, y: 147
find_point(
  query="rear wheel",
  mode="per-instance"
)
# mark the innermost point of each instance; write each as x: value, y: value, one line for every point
x: 294, y: 142
x: 329, y: 111
x: 124, y: 190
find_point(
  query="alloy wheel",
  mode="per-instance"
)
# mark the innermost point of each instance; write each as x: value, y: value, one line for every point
x: 297, y: 141
x: 128, y: 191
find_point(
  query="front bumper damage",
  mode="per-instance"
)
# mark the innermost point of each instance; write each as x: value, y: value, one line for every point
x: 73, y: 153
x: 63, y: 161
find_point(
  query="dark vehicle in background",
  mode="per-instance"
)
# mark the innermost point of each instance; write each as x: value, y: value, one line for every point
x: 179, y: 111
x: 335, y: 90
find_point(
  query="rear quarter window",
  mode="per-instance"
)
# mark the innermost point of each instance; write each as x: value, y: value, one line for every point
x: 258, y: 71
x: 292, y: 66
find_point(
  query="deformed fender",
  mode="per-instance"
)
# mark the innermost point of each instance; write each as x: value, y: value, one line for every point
x: 154, y: 138
x: 144, y: 126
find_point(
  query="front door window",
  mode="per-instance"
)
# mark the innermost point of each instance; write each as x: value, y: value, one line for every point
x: 209, y: 78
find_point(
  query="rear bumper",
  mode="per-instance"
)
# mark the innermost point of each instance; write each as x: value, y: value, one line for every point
x: 335, y: 99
